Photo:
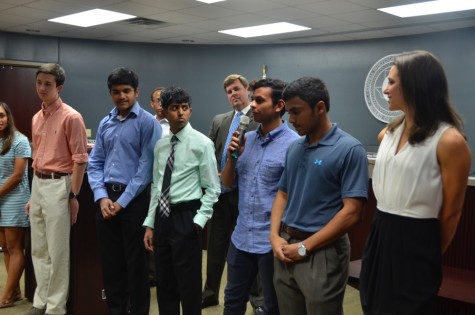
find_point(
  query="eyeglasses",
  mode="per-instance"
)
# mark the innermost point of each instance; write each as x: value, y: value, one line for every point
x: 176, y: 107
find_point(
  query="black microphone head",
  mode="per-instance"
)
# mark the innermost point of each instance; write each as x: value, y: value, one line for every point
x: 244, y: 122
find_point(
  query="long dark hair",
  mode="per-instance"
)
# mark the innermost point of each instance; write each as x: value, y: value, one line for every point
x: 10, y: 130
x: 425, y: 90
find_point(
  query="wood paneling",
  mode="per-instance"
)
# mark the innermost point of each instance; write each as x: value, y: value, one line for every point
x: 457, y: 294
x: 19, y: 92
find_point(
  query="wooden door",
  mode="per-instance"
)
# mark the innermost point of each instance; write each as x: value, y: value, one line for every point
x: 17, y: 89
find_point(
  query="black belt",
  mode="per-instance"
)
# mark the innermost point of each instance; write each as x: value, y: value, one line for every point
x: 52, y: 175
x: 116, y: 187
x: 294, y: 233
x: 191, y: 205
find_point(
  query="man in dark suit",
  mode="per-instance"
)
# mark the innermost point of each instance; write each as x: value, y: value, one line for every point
x: 226, y: 209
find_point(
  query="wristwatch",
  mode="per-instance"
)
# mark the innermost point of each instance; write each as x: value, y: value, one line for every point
x: 302, y: 250
x: 73, y: 195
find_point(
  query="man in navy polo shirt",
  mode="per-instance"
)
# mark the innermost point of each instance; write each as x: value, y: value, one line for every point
x: 321, y: 195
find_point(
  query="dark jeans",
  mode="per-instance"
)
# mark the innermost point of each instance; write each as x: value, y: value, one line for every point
x: 243, y: 268
x: 123, y: 256
x: 220, y: 227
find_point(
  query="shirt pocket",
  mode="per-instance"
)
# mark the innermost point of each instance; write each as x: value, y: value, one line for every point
x: 271, y: 172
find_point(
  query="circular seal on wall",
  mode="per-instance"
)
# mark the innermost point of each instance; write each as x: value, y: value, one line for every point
x: 375, y: 83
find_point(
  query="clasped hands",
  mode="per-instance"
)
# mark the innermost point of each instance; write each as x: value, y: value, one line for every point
x: 285, y: 252
x: 109, y: 208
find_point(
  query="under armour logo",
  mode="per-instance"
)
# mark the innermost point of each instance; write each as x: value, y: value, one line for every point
x: 318, y: 162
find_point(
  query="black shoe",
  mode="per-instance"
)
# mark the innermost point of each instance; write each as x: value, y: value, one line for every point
x: 209, y: 301
x: 259, y: 311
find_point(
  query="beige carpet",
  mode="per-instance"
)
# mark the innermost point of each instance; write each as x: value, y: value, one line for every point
x: 351, y: 304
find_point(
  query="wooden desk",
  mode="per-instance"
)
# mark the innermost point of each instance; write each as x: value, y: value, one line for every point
x: 458, y: 285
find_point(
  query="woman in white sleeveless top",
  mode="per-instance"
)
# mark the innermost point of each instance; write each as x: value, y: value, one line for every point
x: 419, y: 181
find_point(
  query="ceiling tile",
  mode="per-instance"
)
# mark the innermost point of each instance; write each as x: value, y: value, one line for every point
x: 209, y: 11
x: 176, y: 17
x: 134, y: 9
x: 251, y: 6
x: 245, y: 20
x: 171, y: 4
x: 214, y: 25
x: 330, y: 20
x: 59, y: 8
x: 287, y: 14
x: 331, y: 7
x: 363, y: 16
x: 32, y: 13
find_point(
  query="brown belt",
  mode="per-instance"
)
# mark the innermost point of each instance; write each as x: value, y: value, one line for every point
x: 52, y: 175
x: 294, y: 233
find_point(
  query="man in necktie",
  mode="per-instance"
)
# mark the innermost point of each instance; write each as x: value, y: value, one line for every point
x: 184, y: 190
x: 226, y: 209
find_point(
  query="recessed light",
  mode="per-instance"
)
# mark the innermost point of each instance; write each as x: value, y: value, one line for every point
x: 210, y: 1
x: 430, y: 7
x: 92, y: 17
x: 265, y: 29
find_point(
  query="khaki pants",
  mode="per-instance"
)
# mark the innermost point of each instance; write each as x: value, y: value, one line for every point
x: 50, y: 229
x: 315, y: 285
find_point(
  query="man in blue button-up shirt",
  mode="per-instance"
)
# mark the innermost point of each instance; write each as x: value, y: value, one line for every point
x: 120, y: 172
x: 257, y: 173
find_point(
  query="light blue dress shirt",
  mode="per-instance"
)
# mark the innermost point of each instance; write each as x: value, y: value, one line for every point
x: 123, y: 153
x: 258, y: 172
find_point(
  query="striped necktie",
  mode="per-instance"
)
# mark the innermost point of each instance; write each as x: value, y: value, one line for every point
x: 164, y: 201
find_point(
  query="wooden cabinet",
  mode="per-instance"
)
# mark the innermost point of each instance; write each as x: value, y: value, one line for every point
x: 85, y: 290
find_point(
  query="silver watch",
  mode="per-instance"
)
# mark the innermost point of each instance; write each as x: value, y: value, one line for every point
x: 302, y: 250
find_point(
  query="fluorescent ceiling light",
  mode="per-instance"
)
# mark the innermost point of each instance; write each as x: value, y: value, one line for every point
x: 430, y: 7
x: 92, y: 17
x: 266, y: 29
x: 210, y: 1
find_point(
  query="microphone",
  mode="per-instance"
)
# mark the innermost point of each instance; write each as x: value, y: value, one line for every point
x: 243, y: 124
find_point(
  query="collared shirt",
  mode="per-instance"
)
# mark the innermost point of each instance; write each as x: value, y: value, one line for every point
x: 258, y: 172
x: 194, y: 169
x: 165, y: 126
x: 123, y: 153
x: 243, y: 111
x: 59, y: 138
x: 318, y: 177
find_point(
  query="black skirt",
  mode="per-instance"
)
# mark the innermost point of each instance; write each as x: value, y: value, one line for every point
x: 401, y: 270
